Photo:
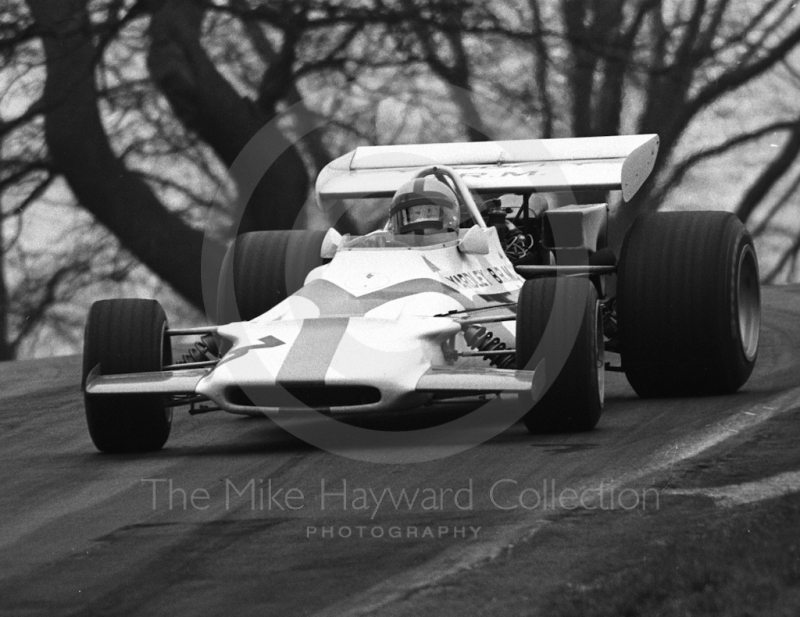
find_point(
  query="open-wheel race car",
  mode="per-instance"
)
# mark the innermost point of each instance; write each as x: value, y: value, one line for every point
x: 486, y: 278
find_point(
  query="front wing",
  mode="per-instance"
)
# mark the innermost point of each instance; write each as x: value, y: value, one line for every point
x: 437, y: 381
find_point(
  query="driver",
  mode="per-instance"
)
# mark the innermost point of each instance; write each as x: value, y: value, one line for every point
x: 424, y: 206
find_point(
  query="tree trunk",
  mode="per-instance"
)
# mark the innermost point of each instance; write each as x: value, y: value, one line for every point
x: 6, y: 348
x: 205, y: 102
x: 80, y: 151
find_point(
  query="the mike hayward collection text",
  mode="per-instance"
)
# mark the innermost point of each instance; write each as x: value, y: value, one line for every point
x: 505, y: 494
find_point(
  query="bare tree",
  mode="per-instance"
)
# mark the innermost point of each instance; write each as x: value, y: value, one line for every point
x: 653, y: 66
x: 139, y: 107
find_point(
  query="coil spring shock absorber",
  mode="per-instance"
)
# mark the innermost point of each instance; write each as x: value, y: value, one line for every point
x: 204, y: 349
x: 480, y: 339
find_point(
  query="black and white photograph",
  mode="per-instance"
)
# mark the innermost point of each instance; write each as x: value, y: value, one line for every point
x: 337, y: 308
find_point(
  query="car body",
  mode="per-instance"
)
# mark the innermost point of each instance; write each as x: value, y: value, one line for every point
x: 392, y: 320
x: 381, y: 326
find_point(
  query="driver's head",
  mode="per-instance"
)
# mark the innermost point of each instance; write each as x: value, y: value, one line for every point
x: 424, y: 204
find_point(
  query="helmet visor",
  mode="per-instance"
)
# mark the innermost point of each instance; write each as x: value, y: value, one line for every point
x: 421, y: 213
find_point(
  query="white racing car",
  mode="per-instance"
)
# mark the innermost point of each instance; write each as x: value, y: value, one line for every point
x: 475, y: 285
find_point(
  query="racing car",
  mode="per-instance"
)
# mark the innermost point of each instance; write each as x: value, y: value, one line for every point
x: 488, y: 275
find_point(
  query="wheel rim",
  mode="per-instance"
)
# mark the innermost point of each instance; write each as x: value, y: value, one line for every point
x: 600, y: 346
x: 748, y: 302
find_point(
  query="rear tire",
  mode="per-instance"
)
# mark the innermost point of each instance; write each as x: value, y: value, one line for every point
x: 126, y: 336
x: 688, y: 304
x: 574, y: 400
x: 267, y: 267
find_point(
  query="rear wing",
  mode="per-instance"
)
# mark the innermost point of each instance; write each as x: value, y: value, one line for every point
x: 497, y: 167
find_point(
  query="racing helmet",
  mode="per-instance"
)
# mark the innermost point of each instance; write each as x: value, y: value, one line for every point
x: 422, y: 204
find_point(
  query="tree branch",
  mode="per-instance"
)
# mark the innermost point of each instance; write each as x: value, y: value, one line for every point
x: 457, y: 75
x: 770, y: 175
x: 205, y: 102
x: 541, y: 71
x: 735, y: 77
x: 80, y: 151
x: 680, y: 170
x: 776, y: 207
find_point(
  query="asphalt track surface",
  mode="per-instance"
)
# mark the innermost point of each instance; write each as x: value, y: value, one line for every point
x: 86, y: 533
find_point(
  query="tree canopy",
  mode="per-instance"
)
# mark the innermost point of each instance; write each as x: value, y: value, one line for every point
x: 123, y: 116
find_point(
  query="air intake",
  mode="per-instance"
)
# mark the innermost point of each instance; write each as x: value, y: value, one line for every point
x: 314, y: 396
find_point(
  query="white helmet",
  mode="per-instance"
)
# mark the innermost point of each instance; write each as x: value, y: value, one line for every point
x: 424, y: 203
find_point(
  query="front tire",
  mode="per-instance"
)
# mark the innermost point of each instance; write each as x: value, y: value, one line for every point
x: 126, y: 336
x: 688, y: 304
x: 263, y: 268
x: 574, y: 400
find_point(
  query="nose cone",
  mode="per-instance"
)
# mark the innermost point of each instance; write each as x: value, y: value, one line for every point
x: 390, y: 355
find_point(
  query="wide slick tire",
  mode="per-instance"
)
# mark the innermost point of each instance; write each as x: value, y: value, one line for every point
x: 126, y: 336
x: 688, y: 304
x: 263, y: 268
x: 574, y: 400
